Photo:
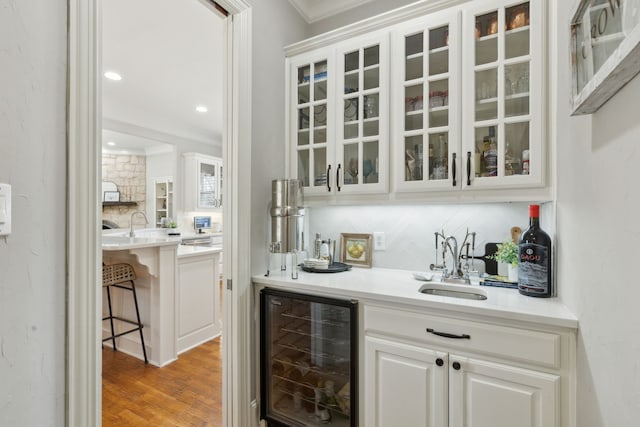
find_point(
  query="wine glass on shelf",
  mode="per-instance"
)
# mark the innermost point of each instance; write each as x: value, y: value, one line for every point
x: 367, y: 168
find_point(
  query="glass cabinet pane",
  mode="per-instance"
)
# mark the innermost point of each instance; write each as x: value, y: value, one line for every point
x: 438, y: 156
x: 208, y: 178
x: 413, y: 158
x: 320, y: 81
x: 303, y: 167
x: 351, y: 163
x: 516, y: 89
x: 486, y: 94
x: 439, y: 51
x: 517, y: 149
x: 320, y: 167
x: 370, y: 161
x: 487, y: 146
x: 516, y: 42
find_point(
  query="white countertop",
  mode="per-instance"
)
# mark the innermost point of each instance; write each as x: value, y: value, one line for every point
x: 117, y: 243
x: 189, y: 250
x: 399, y: 286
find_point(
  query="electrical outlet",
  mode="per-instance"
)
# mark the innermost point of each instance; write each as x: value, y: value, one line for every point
x: 379, y: 242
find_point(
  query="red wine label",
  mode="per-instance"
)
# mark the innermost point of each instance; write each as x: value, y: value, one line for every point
x: 533, y: 268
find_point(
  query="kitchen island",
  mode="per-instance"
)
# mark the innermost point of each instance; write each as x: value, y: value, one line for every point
x: 155, y: 260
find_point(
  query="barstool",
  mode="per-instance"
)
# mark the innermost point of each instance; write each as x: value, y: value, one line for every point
x: 121, y: 276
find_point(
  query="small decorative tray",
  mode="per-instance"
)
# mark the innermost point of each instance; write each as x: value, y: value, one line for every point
x: 336, y: 267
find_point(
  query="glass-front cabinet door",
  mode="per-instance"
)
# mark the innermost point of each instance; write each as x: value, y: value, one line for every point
x: 311, y: 122
x: 502, y: 94
x: 362, y: 116
x: 427, y: 91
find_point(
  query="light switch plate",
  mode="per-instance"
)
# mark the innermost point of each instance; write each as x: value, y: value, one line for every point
x: 5, y: 209
x: 379, y: 241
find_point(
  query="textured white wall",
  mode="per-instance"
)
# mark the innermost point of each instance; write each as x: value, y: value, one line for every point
x: 598, y: 237
x: 276, y: 24
x: 409, y: 230
x: 33, y: 60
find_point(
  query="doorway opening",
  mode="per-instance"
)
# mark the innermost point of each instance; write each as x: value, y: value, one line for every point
x: 84, y: 298
x: 163, y: 70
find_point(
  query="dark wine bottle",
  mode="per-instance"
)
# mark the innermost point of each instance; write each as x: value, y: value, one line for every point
x: 534, y: 253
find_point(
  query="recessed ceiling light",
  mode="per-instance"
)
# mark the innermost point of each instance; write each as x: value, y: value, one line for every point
x: 201, y: 109
x: 112, y: 75
x: 111, y: 143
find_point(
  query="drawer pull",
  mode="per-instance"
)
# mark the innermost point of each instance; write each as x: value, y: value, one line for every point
x: 439, y: 362
x: 447, y: 335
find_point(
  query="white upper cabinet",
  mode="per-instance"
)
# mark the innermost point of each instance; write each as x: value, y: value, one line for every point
x: 426, y: 54
x: 503, y: 94
x: 362, y: 129
x: 454, y: 107
x: 202, y: 182
x: 338, y: 123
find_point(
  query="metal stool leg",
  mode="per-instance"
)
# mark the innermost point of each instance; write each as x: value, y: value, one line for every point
x: 135, y: 301
x: 113, y: 333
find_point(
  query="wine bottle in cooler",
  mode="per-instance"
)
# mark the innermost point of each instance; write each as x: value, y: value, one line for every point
x: 534, y: 253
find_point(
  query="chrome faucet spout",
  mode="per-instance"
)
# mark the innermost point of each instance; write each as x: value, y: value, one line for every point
x: 455, y: 270
x: 146, y: 221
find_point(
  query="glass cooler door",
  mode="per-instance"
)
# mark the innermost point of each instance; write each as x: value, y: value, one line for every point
x: 308, y: 356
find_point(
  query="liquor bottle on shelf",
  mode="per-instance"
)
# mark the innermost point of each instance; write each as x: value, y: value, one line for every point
x: 534, y: 253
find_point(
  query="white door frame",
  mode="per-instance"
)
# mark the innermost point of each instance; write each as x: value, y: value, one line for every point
x: 84, y: 299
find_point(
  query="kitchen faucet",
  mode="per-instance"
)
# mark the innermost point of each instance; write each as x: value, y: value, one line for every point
x: 450, y: 243
x: 146, y: 221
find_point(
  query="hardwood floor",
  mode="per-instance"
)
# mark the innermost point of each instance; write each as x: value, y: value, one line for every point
x: 187, y: 392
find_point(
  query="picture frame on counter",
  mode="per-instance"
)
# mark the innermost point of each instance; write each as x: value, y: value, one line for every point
x: 356, y: 249
x: 111, y: 196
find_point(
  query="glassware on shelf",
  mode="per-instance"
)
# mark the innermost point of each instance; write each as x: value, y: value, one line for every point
x: 418, y: 102
x: 519, y: 16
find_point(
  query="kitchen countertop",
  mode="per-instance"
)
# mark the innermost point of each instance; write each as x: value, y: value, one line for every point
x: 117, y: 243
x: 185, y: 251
x: 399, y: 286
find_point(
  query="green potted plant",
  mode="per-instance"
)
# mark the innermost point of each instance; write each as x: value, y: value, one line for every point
x: 508, y: 253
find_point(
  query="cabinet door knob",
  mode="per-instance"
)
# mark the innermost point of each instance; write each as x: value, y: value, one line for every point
x: 439, y: 361
x: 329, y: 178
x: 453, y: 168
x: 456, y: 366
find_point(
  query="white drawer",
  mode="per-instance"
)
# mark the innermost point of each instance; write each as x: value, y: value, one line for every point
x: 540, y: 348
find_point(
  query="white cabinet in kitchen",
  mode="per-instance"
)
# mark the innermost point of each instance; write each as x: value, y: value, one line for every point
x: 161, y: 200
x: 338, y: 122
x: 475, y: 123
x: 436, y: 371
x: 503, y: 86
x: 202, y: 182
x: 197, y: 300
x: 427, y: 86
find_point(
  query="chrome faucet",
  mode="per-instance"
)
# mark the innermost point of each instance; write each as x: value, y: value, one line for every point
x: 450, y: 243
x: 146, y: 221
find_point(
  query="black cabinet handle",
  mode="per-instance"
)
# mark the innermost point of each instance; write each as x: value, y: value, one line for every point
x: 338, y: 176
x: 453, y: 168
x: 448, y: 335
x: 329, y: 178
x: 439, y: 362
x: 456, y: 366
x: 468, y: 167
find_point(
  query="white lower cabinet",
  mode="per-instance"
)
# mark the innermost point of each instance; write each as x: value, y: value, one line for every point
x: 197, y: 301
x: 433, y: 371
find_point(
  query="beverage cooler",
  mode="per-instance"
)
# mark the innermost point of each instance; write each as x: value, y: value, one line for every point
x: 308, y: 360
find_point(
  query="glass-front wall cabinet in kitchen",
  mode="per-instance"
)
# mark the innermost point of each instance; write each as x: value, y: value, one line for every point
x: 339, y: 118
x: 427, y: 85
x: 502, y: 99
x: 202, y: 182
x: 311, y: 120
x: 362, y: 119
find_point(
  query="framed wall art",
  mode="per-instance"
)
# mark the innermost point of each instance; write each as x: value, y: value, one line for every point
x: 355, y: 249
x: 605, y: 51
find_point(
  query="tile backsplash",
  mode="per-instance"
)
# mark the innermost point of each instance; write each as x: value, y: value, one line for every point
x: 409, y: 229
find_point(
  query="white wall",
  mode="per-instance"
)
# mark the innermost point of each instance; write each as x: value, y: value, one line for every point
x: 598, y: 238
x: 276, y: 24
x: 409, y: 230
x: 33, y: 61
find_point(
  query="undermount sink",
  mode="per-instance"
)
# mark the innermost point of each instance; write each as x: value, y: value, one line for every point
x: 453, y: 291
